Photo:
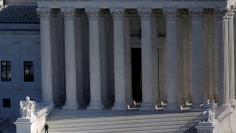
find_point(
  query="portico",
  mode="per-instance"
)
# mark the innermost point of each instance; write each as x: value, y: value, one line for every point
x: 176, y: 66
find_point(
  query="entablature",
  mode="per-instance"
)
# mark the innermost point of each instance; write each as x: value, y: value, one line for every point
x: 133, y: 4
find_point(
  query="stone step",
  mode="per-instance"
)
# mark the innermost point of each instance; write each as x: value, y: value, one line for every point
x: 131, y: 126
x: 118, y: 116
x: 114, y: 121
x: 131, y: 118
x: 74, y: 121
x: 111, y: 123
x: 116, y: 130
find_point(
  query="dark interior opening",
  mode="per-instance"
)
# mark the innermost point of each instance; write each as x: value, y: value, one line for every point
x: 136, y: 74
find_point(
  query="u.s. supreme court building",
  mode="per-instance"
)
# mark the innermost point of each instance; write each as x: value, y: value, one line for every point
x: 120, y: 55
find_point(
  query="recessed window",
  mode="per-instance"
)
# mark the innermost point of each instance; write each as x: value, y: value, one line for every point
x: 28, y: 71
x: 6, y: 70
x: 6, y: 102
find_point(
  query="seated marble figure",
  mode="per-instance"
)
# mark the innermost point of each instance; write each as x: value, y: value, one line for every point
x: 27, y: 108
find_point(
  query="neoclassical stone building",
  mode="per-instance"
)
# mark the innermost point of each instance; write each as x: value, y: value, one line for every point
x: 164, y: 55
x: 98, y: 54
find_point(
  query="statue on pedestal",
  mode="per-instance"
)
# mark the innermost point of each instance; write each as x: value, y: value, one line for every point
x: 209, y: 111
x: 27, y: 108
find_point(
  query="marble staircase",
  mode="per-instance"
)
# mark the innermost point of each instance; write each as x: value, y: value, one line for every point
x: 108, y: 121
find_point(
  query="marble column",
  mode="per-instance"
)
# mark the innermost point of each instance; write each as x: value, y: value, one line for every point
x: 198, y: 57
x: 70, y: 60
x: 128, y: 60
x: 147, y: 60
x: 216, y: 48
x: 119, y: 60
x: 46, y: 54
x: 155, y: 58
x: 231, y: 57
x: 171, y: 59
x: 95, y: 60
x: 222, y: 25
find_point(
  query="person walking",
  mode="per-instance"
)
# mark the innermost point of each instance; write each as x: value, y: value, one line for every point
x: 46, y: 127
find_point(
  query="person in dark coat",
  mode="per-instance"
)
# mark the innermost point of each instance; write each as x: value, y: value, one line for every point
x: 46, y: 127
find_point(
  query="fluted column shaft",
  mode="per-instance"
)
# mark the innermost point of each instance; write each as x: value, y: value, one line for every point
x: 70, y: 60
x: 222, y: 19
x: 147, y: 61
x: 128, y: 60
x: 171, y: 59
x: 46, y: 54
x: 95, y: 60
x: 119, y: 59
x: 197, y: 58
x: 231, y: 56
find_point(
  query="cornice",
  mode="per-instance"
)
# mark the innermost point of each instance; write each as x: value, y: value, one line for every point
x: 133, y: 4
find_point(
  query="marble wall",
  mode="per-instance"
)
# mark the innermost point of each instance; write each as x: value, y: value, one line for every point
x: 17, y: 47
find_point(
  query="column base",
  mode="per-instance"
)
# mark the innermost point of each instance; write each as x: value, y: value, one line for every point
x: 147, y: 106
x: 120, y: 106
x: 71, y: 105
x: 172, y: 107
x: 95, y: 105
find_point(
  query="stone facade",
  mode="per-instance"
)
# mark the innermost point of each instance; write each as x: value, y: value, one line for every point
x: 181, y: 52
x: 121, y: 54
x: 19, y: 42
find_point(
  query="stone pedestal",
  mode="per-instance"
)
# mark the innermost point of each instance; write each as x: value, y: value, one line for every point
x: 26, y: 126
x: 206, y: 127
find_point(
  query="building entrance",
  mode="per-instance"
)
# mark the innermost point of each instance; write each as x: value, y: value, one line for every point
x: 136, y: 74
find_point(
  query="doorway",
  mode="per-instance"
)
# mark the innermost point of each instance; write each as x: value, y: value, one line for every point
x: 136, y: 74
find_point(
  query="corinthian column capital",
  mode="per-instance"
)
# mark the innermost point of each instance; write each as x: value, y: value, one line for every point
x: 117, y: 14
x: 92, y: 13
x: 44, y: 13
x: 220, y: 13
x: 231, y: 11
x: 170, y: 14
x: 145, y: 14
x: 69, y: 13
x: 196, y: 13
